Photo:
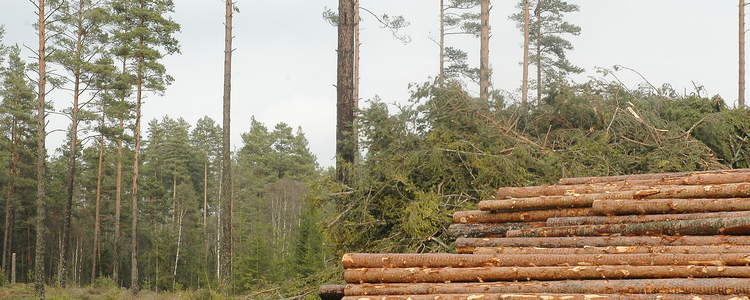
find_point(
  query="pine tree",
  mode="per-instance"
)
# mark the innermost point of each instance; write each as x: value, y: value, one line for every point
x: 456, y: 18
x: 147, y: 35
x: 79, y: 42
x: 547, y: 28
x: 18, y: 123
x: 226, y: 167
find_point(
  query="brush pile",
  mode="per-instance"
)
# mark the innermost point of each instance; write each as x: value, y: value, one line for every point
x: 656, y: 236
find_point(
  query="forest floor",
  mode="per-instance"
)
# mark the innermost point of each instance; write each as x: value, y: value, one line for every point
x: 26, y: 291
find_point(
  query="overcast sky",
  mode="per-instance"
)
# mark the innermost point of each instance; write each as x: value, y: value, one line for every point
x: 284, y: 66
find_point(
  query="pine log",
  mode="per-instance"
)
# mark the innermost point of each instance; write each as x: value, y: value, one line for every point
x: 590, y: 188
x: 708, y: 286
x: 704, y: 249
x: 489, y: 230
x: 331, y: 292
x: 657, y: 176
x: 442, y: 260
x: 491, y: 274
x: 548, y: 202
x: 730, y: 190
x: 659, y: 206
x: 713, y: 226
x: 530, y: 296
x: 467, y: 245
x: 478, y: 216
x: 599, y: 220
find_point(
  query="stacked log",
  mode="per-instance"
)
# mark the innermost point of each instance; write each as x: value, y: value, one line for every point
x: 655, y: 236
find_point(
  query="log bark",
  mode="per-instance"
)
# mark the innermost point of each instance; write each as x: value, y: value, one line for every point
x: 623, y: 185
x: 713, y: 226
x: 656, y: 176
x: 546, y: 202
x: 591, y: 188
x: 331, y: 292
x: 478, y: 216
x: 673, y: 205
x: 709, y: 286
x: 492, y: 274
x: 730, y: 190
x: 547, y: 296
x: 598, y: 220
x: 704, y: 249
x: 441, y: 260
x: 489, y: 230
x: 467, y: 245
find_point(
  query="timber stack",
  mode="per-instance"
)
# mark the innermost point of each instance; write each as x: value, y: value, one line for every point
x: 653, y: 236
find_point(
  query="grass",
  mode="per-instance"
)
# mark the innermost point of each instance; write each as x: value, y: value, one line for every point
x: 26, y: 291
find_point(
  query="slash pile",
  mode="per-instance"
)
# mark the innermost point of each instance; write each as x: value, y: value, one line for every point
x: 656, y: 236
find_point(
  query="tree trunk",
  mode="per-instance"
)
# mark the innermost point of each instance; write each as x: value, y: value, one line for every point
x: 741, y: 94
x: 599, y: 220
x: 177, y: 255
x: 444, y: 260
x: 489, y: 230
x: 538, y: 51
x: 441, y: 77
x: 118, y: 193
x: 484, y: 57
x: 355, y: 90
x: 136, y: 153
x: 345, y: 150
x: 467, y: 245
x: 710, y: 286
x: 226, y: 214
x: 474, y: 216
x: 12, y: 171
x: 205, y: 190
x: 525, y: 85
x: 575, y: 272
x: 39, y: 274
x: 98, y: 202
x: 62, y: 272
x: 702, y: 249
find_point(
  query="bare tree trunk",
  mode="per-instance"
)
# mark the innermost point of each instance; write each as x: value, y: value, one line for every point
x: 136, y: 152
x: 345, y: 150
x: 355, y: 90
x: 226, y: 214
x: 12, y: 171
x: 118, y: 192
x: 205, y: 190
x: 39, y: 274
x: 205, y: 206
x: 98, y: 202
x: 525, y: 87
x: 741, y: 94
x: 484, y: 57
x: 538, y: 51
x: 177, y: 256
x: 441, y: 78
x: 62, y: 271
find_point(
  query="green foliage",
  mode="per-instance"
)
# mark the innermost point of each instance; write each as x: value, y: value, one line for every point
x: 280, y: 238
x: 546, y: 42
x: 446, y: 150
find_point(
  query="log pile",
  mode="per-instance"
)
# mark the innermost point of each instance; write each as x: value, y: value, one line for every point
x: 655, y: 236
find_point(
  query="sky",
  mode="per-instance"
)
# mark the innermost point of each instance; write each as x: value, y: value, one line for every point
x: 284, y: 63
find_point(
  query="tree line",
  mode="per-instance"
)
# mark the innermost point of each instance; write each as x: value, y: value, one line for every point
x: 202, y: 217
